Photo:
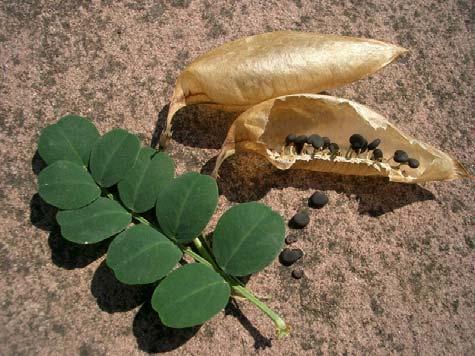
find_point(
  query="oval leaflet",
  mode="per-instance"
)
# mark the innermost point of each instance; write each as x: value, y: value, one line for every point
x: 142, y: 255
x: 247, y: 238
x: 67, y: 185
x: 186, y: 204
x: 139, y: 189
x: 70, y: 139
x: 113, y: 155
x: 93, y: 223
x: 190, y: 295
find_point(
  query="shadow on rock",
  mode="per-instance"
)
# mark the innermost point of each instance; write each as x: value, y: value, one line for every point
x: 69, y: 255
x: 152, y: 336
x: 113, y: 296
x: 64, y: 253
x: 37, y: 163
x: 260, y: 341
x: 248, y: 177
x: 196, y: 126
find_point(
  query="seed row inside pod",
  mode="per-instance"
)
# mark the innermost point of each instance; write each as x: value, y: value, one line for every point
x: 317, y: 147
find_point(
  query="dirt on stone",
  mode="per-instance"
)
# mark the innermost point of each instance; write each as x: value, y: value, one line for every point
x: 389, y: 268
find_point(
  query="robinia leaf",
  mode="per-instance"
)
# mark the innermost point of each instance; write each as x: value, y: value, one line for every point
x: 186, y: 204
x: 139, y: 189
x: 70, y: 139
x: 93, y: 223
x: 142, y: 255
x: 67, y: 185
x: 247, y: 238
x: 190, y: 295
x: 113, y: 155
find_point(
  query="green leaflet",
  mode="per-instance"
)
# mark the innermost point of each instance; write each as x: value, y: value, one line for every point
x: 93, y: 223
x: 186, y: 204
x: 139, y: 189
x: 70, y: 139
x: 67, y: 185
x: 190, y: 295
x: 142, y: 255
x: 247, y: 238
x: 113, y: 155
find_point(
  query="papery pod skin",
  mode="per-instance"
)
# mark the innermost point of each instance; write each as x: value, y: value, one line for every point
x: 250, y: 70
x: 263, y: 128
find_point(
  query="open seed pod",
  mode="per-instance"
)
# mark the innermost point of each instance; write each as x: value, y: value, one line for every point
x: 263, y: 129
x: 247, y: 71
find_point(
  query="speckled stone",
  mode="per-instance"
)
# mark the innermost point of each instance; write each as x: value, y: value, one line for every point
x: 390, y: 272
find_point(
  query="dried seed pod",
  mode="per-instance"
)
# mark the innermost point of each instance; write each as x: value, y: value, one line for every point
x: 250, y: 70
x: 262, y: 129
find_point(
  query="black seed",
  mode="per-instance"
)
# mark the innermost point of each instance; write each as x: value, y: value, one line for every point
x: 288, y: 257
x: 365, y: 146
x: 334, y: 148
x: 377, y: 154
x: 300, y: 220
x: 290, y: 239
x: 318, y: 200
x: 357, y: 141
x: 316, y: 141
x: 413, y: 163
x: 300, y: 140
x: 297, y: 273
x: 326, y: 142
x: 290, y: 139
x: 400, y: 156
x: 373, y: 144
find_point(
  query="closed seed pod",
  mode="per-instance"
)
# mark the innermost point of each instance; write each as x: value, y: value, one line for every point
x: 263, y: 127
x: 241, y: 73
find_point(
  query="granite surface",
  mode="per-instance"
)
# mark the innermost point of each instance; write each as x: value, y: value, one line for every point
x: 389, y: 268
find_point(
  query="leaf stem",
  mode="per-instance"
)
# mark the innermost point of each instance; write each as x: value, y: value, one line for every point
x: 281, y: 328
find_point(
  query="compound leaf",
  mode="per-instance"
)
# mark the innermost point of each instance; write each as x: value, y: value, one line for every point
x: 113, y: 155
x: 142, y: 255
x: 247, y: 238
x: 93, y: 223
x: 67, y: 185
x: 186, y: 204
x: 139, y: 189
x: 190, y: 295
x: 70, y: 139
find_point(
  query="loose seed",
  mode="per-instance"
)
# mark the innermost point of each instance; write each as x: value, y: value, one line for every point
x: 318, y: 200
x: 373, y: 144
x: 413, y: 163
x: 289, y: 240
x: 300, y: 220
x: 288, y: 257
x: 377, y: 155
x: 297, y: 273
x: 400, y: 156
